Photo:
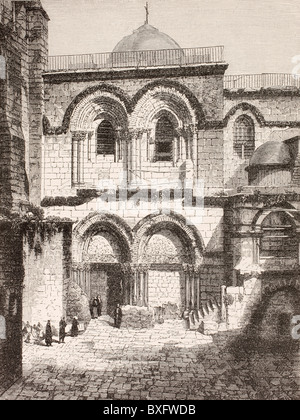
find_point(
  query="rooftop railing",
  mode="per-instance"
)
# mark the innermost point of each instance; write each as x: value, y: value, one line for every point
x: 137, y: 59
x: 264, y: 80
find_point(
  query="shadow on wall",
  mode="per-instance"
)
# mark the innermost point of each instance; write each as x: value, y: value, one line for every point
x: 239, y: 178
x: 270, y: 327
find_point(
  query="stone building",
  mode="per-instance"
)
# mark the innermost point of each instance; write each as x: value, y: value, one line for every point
x: 163, y: 182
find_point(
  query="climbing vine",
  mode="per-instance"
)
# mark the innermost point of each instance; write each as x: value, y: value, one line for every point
x: 35, y: 228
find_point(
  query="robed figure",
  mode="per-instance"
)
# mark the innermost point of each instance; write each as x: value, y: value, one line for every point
x: 48, y: 335
x: 62, y: 330
x: 118, y: 316
x: 99, y: 307
x: 95, y: 308
x: 75, y: 327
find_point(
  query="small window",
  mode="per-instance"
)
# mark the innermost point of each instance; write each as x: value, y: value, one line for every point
x: 106, y: 139
x: 279, y: 239
x: 244, y: 137
x: 164, y: 137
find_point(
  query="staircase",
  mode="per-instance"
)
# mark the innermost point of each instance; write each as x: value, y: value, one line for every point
x: 207, y: 319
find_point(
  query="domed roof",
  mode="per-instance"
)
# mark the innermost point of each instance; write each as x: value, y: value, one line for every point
x: 146, y: 37
x: 271, y: 153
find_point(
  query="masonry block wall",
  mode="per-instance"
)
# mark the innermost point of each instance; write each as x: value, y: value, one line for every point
x: 37, y: 57
x: 208, y: 221
x: 14, y: 107
x: 23, y: 34
x: 133, y: 99
x: 15, y: 90
x: 275, y: 114
x: 47, y: 277
x: 11, y: 283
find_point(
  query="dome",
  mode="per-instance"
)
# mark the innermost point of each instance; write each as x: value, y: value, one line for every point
x: 146, y: 37
x: 271, y: 153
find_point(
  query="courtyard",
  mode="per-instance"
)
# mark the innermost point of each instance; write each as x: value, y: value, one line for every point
x: 166, y: 363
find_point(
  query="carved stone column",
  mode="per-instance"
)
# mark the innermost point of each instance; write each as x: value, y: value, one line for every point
x: 78, y: 140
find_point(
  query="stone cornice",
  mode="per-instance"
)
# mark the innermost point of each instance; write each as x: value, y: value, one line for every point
x: 245, y: 106
x: 140, y: 73
x: 261, y: 93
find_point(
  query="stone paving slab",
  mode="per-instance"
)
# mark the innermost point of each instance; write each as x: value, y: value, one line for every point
x: 161, y: 363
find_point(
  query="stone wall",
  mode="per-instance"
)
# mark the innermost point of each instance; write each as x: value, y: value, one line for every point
x: 209, y: 225
x: 11, y: 282
x: 46, y: 279
x: 37, y: 21
x: 23, y: 45
x: 14, y: 107
x: 275, y: 114
x: 195, y: 99
x: 166, y: 287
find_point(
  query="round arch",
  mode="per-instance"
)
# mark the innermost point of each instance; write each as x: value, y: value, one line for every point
x: 168, y: 95
x: 249, y: 109
x: 95, y: 106
x: 87, y: 228
x: 177, y: 223
x: 87, y: 96
x: 272, y: 319
x: 172, y: 86
x: 264, y: 213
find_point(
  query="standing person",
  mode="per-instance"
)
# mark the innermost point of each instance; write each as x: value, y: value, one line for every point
x: 62, y: 330
x: 49, y: 335
x: 91, y: 307
x: 95, y: 308
x: 99, y: 307
x: 75, y: 329
x: 118, y: 316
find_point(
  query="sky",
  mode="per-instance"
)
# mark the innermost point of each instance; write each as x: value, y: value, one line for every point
x: 260, y: 36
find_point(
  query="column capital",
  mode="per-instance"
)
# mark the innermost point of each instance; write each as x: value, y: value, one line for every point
x: 79, y: 135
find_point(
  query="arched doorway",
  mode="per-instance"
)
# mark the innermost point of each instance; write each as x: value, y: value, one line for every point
x: 103, y: 248
x: 168, y: 253
x: 277, y: 312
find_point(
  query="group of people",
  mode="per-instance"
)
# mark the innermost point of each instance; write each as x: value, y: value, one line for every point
x: 37, y: 334
x: 33, y: 333
x: 96, y: 307
x: 96, y: 311
x: 62, y: 331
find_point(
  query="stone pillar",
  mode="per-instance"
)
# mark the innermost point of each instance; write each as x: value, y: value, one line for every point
x: 223, y: 304
x: 198, y: 281
x: 80, y: 161
x: 182, y: 148
x: 146, y: 286
x: 142, y: 288
x: 187, y: 287
x: 195, y: 151
x: 78, y: 139
x: 193, y: 292
x: 175, y: 150
x: 74, y: 161
x: 135, y: 288
x: 37, y: 26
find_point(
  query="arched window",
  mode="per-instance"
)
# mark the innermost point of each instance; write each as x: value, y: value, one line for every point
x: 106, y: 139
x: 164, y: 137
x: 278, y: 238
x: 244, y: 137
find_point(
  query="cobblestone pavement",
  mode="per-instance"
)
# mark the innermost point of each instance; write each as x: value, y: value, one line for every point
x: 163, y: 363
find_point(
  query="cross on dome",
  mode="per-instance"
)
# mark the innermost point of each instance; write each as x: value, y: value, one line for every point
x: 147, y: 13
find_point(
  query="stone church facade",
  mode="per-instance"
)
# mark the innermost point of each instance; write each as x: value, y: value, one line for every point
x: 146, y: 175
